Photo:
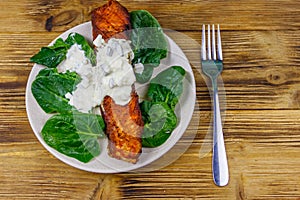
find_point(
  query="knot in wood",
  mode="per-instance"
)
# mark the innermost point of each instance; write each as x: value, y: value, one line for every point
x: 61, y: 19
x: 275, y: 77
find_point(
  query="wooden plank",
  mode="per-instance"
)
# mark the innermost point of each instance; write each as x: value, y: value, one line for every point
x: 265, y: 71
x: 29, y: 172
x: 260, y: 147
x: 262, y: 82
x: 31, y: 15
x: 15, y: 126
x: 257, y: 153
x: 252, y: 172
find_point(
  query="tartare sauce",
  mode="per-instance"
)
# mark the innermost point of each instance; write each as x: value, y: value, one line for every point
x: 113, y: 74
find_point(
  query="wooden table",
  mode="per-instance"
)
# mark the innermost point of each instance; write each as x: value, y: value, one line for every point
x: 261, y: 48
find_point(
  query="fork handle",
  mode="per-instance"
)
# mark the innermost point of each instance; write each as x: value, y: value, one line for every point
x: 219, y: 158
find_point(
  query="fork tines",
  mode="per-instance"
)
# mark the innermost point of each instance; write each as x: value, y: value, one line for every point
x: 209, y: 51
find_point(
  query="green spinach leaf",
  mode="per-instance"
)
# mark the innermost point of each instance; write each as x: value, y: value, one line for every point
x: 161, y: 122
x: 158, y: 112
x: 52, y: 56
x: 75, y: 38
x: 148, y: 42
x: 75, y: 134
x: 145, y: 75
x: 167, y: 86
x: 50, y: 87
x: 47, y: 72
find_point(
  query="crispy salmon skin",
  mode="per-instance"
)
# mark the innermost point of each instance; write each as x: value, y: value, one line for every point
x: 109, y: 20
x: 124, y: 127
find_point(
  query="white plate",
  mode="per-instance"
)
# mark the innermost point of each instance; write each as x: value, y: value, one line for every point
x: 103, y: 163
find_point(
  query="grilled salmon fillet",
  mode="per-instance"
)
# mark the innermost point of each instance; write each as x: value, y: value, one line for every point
x: 124, y: 127
x: 109, y: 20
x: 124, y: 123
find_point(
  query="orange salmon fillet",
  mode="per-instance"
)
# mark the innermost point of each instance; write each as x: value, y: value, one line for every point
x: 124, y: 126
x: 109, y: 20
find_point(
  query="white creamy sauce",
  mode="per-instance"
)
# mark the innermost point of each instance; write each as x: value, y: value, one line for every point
x: 113, y: 75
x: 138, y: 68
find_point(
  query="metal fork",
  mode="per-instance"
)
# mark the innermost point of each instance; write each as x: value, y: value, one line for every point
x: 212, y: 66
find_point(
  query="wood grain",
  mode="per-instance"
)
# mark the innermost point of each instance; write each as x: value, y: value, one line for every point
x: 259, y: 90
x: 177, y: 15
